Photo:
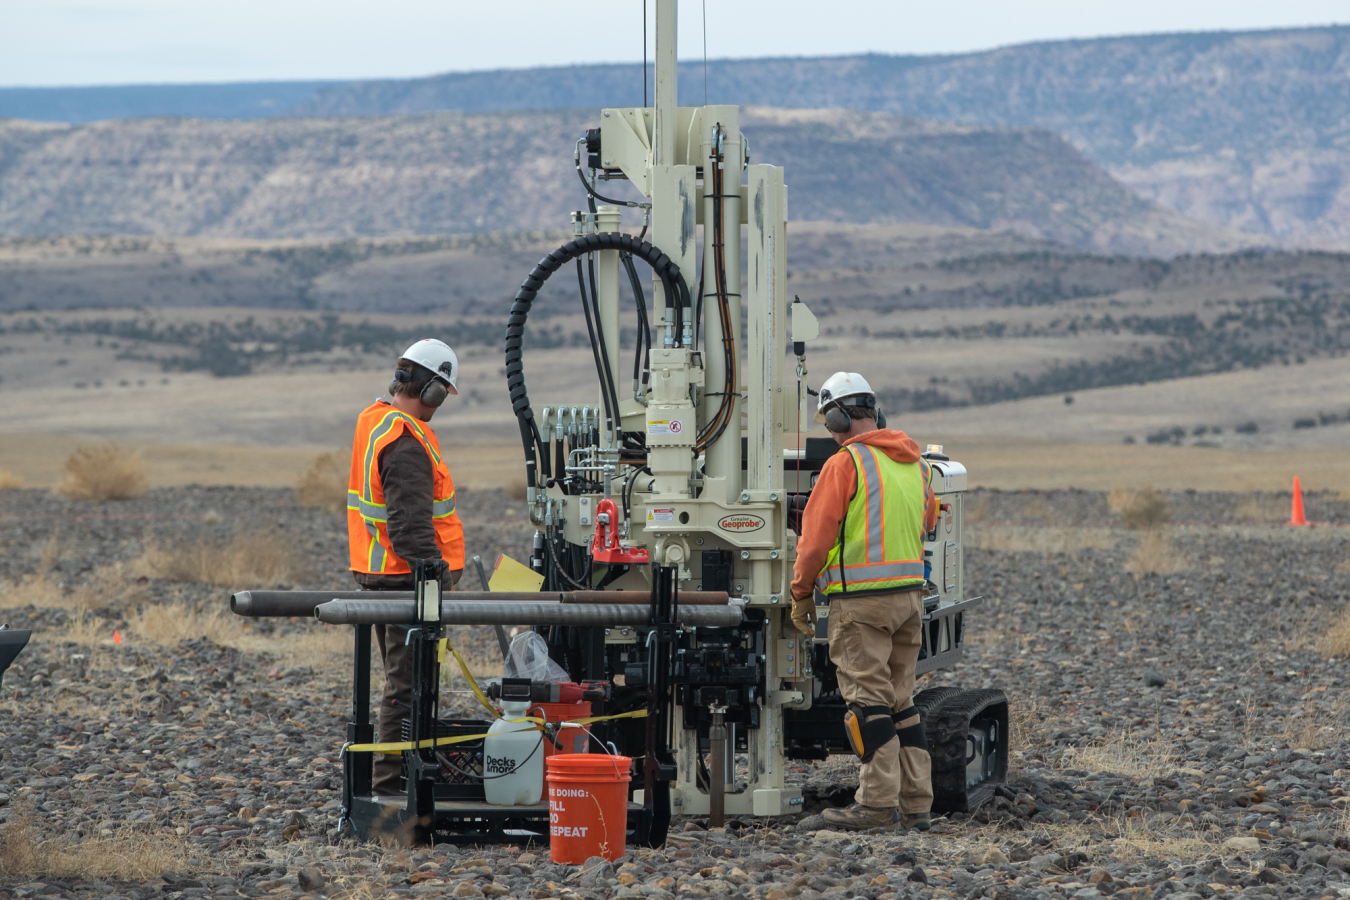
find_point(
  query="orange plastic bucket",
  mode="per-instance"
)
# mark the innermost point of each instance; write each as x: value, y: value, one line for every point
x: 587, y: 806
x: 570, y: 740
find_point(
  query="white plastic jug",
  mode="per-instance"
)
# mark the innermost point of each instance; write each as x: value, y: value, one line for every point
x: 513, y: 759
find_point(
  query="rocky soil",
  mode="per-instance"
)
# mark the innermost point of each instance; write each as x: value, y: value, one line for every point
x: 1178, y: 733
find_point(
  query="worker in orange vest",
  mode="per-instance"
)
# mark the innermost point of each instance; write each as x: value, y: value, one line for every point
x: 401, y: 507
x: 861, y: 546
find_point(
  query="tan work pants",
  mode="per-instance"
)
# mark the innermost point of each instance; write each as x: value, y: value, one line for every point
x: 874, y: 642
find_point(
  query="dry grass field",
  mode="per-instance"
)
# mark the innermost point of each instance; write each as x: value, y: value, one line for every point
x: 1005, y: 463
x: 1273, y: 397
x: 36, y: 458
x: 1213, y: 373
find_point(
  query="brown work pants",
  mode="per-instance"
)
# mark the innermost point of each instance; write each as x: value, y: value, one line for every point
x: 395, y: 704
x: 874, y: 642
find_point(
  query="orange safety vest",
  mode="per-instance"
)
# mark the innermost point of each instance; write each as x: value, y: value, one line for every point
x: 367, y: 519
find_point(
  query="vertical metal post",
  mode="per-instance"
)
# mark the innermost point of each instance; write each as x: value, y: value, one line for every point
x: 717, y: 768
x: 766, y: 288
x: 658, y: 764
x: 358, y: 767
x: 666, y: 83
x: 423, y: 637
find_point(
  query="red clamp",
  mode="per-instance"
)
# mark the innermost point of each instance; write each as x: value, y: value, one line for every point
x: 605, y: 546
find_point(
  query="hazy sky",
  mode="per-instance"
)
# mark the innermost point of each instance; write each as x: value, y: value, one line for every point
x: 64, y: 42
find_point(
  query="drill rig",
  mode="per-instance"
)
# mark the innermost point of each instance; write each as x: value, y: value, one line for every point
x: 665, y: 520
x: 687, y: 481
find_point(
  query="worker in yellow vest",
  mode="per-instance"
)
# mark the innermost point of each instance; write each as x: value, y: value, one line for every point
x: 401, y: 507
x: 861, y: 546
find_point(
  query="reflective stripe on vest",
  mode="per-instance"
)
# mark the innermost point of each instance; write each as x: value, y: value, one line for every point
x: 880, y: 544
x: 377, y: 512
x: 367, y: 515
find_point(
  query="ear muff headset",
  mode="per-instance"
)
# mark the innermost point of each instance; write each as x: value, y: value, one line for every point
x: 838, y: 421
x: 433, y: 392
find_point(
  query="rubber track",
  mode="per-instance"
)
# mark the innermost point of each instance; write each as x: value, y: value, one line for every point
x: 947, y: 744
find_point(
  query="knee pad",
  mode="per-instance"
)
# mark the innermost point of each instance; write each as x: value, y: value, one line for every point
x: 909, y: 729
x: 867, y: 736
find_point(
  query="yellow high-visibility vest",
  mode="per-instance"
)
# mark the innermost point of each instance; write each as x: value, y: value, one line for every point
x: 880, y: 543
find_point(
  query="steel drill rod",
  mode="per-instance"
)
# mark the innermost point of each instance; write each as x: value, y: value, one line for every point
x: 685, y: 598
x: 274, y: 604
x: 717, y: 772
x: 269, y: 604
x: 401, y: 612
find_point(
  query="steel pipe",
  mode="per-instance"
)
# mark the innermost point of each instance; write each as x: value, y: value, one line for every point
x: 272, y: 604
x: 684, y: 598
x: 401, y: 612
x: 280, y: 604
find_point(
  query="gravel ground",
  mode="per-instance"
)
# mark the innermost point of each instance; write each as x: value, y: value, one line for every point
x: 1176, y: 734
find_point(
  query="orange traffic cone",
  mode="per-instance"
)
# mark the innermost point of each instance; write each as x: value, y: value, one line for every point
x: 1296, y: 515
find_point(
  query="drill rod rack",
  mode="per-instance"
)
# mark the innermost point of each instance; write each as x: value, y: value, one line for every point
x: 283, y: 604
x: 403, y: 612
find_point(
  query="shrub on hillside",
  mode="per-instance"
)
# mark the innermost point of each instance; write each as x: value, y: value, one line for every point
x: 105, y: 472
x: 1139, y: 510
x: 256, y: 558
x: 324, y: 483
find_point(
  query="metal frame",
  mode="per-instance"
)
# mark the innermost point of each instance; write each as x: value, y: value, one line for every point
x: 420, y: 816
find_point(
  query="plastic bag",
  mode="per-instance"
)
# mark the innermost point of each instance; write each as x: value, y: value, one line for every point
x: 528, y: 658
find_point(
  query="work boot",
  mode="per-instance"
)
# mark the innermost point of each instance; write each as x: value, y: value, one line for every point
x: 919, y: 820
x: 857, y: 817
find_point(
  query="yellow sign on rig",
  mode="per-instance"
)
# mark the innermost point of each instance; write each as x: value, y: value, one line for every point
x: 509, y: 575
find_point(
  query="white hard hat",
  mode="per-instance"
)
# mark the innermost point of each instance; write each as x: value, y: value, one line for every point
x: 436, y: 356
x: 839, y: 386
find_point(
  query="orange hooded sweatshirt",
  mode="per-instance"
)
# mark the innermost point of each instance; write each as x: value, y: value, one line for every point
x: 834, y: 490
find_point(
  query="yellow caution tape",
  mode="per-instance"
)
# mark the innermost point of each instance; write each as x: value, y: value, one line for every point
x: 427, y: 744
x: 473, y: 683
x: 465, y: 738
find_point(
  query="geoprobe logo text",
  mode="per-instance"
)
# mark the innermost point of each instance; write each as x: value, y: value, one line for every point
x: 498, y: 765
x: 740, y: 523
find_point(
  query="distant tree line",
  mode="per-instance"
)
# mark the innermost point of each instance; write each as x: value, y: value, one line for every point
x: 227, y: 349
x: 1251, y: 334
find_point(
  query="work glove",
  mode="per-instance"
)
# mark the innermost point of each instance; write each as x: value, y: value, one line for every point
x: 804, y: 615
x: 450, y: 578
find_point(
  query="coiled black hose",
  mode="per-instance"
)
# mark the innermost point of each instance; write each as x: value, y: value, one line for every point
x: 665, y: 269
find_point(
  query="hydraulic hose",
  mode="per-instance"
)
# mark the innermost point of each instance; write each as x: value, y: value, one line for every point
x: 607, y: 386
x: 642, y: 356
x: 592, y: 196
x: 597, y: 348
x: 713, y: 430
x: 665, y: 269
